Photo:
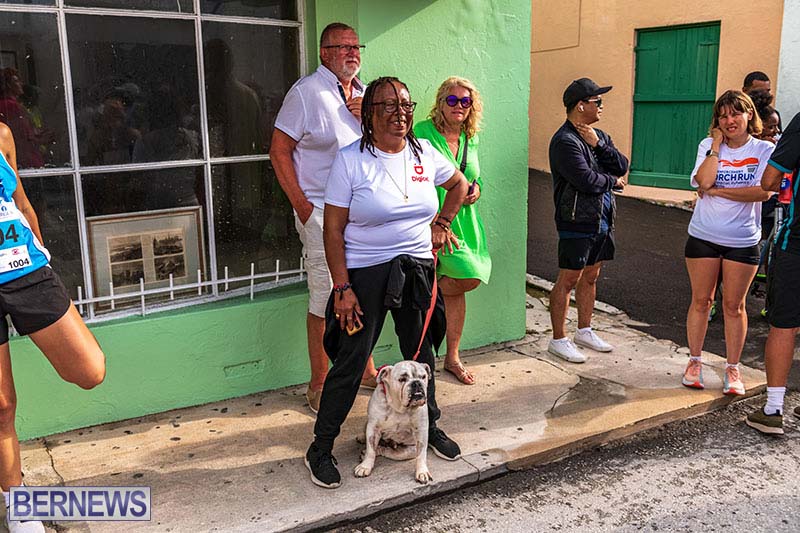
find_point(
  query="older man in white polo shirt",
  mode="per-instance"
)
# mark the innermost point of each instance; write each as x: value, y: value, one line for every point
x: 320, y: 114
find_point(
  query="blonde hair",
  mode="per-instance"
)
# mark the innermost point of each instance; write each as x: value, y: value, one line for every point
x: 738, y: 101
x: 471, y: 125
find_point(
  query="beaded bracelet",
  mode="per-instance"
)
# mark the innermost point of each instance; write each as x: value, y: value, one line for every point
x: 341, y: 287
x: 449, y: 220
x: 445, y: 226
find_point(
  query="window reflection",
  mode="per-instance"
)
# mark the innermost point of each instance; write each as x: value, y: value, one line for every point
x: 244, y: 91
x: 32, y: 89
x: 253, y: 220
x: 132, y: 192
x: 181, y: 6
x: 26, y: 2
x: 53, y: 200
x: 276, y: 9
x: 135, y: 84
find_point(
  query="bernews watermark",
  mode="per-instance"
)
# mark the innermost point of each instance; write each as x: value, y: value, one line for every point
x: 80, y: 503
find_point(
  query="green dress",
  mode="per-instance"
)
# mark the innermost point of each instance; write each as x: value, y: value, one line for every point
x: 472, y: 260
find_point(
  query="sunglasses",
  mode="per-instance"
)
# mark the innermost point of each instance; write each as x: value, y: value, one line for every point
x: 452, y: 100
x: 597, y: 101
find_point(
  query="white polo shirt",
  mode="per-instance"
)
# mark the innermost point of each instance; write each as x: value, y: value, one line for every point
x: 382, y: 222
x: 315, y: 115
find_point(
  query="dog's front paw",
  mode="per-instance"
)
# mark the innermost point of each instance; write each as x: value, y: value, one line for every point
x: 362, y: 470
x: 424, y: 476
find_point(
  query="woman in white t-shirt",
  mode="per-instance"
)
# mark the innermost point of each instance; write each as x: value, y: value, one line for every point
x: 725, y: 230
x: 382, y: 223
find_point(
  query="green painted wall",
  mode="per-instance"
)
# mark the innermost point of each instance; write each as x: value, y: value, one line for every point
x: 169, y: 360
x: 487, y: 41
x: 237, y: 347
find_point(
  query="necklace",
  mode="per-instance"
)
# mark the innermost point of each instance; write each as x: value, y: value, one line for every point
x: 404, y: 190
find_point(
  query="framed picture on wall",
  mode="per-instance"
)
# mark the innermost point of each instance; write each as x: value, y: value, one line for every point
x: 147, y: 246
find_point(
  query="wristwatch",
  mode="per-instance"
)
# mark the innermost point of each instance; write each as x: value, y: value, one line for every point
x: 712, y: 152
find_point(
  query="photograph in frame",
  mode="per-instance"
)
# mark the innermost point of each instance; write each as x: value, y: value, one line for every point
x: 147, y: 246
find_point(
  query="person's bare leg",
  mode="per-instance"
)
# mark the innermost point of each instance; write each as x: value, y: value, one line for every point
x: 559, y: 300
x: 778, y: 354
x: 736, y: 278
x: 10, y: 470
x: 455, y: 306
x: 370, y: 372
x: 703, y: 274
x: 585, y: 294
x: 72, y: 350
x: 315, y: 329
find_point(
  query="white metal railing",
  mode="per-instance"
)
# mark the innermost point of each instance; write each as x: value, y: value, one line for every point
x: 256, y: 282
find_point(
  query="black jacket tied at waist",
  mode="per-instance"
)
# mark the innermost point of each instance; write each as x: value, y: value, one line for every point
x: 418, y: 287
x: 405, y: 281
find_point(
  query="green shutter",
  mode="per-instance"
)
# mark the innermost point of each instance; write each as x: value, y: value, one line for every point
x: 676, y: 79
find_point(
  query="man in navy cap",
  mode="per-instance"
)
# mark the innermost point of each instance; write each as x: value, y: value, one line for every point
x: 586, y: 167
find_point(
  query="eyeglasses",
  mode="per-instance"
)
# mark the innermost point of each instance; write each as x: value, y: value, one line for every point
x: 452, y: 100
x: 597, y: 101
x: 346, y: 47
x: 390, y: 106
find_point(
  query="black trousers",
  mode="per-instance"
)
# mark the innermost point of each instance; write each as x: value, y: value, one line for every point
x: 350, y: 353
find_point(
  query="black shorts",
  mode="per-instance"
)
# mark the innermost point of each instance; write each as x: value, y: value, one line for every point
x: 699, y: 249
x: 33, y: 302
x: 783, y: 290
x: 576, y: 254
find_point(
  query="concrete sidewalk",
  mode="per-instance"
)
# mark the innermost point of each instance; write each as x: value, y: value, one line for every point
x: 237, y: 465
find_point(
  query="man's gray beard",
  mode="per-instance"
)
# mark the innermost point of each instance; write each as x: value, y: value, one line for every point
x: 350, y: 75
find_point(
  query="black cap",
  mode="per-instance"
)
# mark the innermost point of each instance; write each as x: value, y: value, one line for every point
x: 582, y: 89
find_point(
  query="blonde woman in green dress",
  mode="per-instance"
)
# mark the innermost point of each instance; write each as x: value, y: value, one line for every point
x: 452, y: 128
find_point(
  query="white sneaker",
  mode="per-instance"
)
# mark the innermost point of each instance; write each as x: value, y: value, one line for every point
x: 589, y: 339
x: 567, y: 351
x: 29, y: 526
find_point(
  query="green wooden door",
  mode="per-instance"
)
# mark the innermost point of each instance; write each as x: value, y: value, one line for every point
x: 676, y: 80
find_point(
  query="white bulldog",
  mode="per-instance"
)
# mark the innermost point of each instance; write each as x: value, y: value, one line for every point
x: 397, y: 418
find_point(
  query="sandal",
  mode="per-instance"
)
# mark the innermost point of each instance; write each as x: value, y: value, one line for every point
x: 461, y: 373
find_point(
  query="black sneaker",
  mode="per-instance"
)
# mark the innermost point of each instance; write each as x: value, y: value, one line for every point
x: 797, y: 411
x: 768, y: 424
x: 442, y: 445
x: 322, y: 466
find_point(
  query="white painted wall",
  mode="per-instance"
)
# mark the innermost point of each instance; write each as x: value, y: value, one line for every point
x: 787, y: 99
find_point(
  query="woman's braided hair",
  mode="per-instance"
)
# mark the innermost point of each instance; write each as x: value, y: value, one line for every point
x: 368, y: 108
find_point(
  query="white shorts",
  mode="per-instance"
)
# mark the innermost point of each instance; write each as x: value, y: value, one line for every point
x: 319, y: 278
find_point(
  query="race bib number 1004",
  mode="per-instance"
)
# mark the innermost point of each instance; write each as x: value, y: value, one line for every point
x: 12, y: 256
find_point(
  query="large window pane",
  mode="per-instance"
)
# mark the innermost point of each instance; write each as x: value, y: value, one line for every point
x: 136, y: 93
x: 181, y: 6
x: 132, y: 192
x: 53, y: 199
x: 276, y: 9
x: 253, y: 220
x: 245, y: 89
x: 27, y: 2
x: 146, y: 225
x: 32, y: 89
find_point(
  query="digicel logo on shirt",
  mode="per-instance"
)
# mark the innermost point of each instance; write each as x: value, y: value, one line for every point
x: 417, y: 176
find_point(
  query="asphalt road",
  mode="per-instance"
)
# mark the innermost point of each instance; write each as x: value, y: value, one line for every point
x: 710, y: 473
x: 647, y: 279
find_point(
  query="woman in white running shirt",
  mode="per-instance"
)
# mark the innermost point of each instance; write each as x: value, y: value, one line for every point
x: 725, y: 230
